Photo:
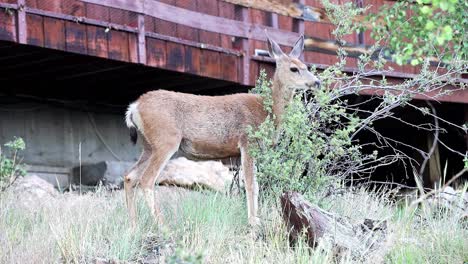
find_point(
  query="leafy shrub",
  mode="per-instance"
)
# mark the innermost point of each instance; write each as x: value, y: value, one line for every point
x: 317, y: 143
x: 312, y: 145
x: 10, y: 166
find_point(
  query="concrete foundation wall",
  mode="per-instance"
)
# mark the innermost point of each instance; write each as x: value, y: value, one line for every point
x: 53, y: 135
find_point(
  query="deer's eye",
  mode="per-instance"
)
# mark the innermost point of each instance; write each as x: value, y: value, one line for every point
x: 294, y: 69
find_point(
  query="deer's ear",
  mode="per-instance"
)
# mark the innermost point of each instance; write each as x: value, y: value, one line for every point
x: 274, y: 49
x: 298, y: 48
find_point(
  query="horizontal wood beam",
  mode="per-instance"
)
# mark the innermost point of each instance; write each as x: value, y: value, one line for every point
x: 194, y: 44
x: 398, y: 75
x: 114, y: 26
x: 21, y: 20
x: 137, y: 6
x: 202, y: 21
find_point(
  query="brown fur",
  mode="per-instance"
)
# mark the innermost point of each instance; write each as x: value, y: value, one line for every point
x: 207, y: 127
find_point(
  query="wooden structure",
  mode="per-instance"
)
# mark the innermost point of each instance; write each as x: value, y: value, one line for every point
x: 64, y: 63
x: 211, y: 43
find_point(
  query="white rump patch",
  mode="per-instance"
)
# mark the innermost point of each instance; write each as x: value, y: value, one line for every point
x: 132, y: 117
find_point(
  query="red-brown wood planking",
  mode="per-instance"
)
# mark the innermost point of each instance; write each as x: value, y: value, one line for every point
x: 75, y: 37
x: 164, y: 27
x: 96, y: 37
x: 254, y: 71
x: 210, y: 64
x: 97, y: 12
x: 97, y: 41
x: 186, y: 32
x: 7, y: 25
x: 149, y: 24
x: 263, y: 18
x: 183, y: 31
x: 269, y: 69
x: 320, y: 58
x: 211, y: 8
x: 86, y: 38
x: 35, y: 30
x: 118, y: 45
x: 229, y: 67
x: 285, y: 22
x: 123, y: 17
x: 29, y: 3
x: 51, y: 5
x: 73, y: 7
x: 54, y: 35
x: 226, y: 10
x: 133, y: 48
x: 175, y: 57
x: 118, y: 41
x: 374, y: 6
x: 192, y: 60
x: 156, y: 52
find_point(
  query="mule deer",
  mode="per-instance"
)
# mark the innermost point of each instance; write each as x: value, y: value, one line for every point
x: 207, y: 127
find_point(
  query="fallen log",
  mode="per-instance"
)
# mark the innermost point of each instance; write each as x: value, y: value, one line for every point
x: 316, y: 225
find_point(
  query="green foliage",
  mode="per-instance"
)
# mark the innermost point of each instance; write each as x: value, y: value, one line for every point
x: 310, y: 147
x: 342, y: 16
x: 423, y: 29
x: 11, y: 167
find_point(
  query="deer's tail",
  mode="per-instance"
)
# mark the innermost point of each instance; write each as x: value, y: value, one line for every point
x: 133, y: 121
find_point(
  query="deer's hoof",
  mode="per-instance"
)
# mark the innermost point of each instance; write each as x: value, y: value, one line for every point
x: 254, y: 221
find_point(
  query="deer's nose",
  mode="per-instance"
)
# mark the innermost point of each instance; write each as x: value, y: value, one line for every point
x: 318, y: 83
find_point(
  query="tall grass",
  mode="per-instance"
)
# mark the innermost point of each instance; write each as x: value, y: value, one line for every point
x: 211, y: 226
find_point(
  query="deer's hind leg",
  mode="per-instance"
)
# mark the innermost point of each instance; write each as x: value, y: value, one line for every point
x: 251, y: 185
x: 132, y: 178
x: 163, y: 148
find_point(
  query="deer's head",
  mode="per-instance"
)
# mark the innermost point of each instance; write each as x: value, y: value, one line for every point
x: 290, y: 71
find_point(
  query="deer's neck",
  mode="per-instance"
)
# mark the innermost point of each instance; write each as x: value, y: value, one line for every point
x: 282, y: 96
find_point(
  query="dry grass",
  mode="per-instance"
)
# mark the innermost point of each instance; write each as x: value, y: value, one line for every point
x: 82, y: 229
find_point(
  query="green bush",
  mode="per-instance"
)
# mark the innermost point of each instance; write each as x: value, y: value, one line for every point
x: 314, y: 143
x: 10, y: 166
x: 317, y: 144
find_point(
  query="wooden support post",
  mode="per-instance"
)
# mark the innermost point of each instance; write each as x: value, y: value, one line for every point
x: 21, y: 22
x: 246, y: 49
x: 242, y: 13
x: 274, y: 20
x: 299, y: 25
x: 435, y: 172
x: 141, y: 39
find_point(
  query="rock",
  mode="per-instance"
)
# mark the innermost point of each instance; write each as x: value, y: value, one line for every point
x: 107, y: 173
x: 454, y: 200
x: 32, y: 189
x: 57, y: 176
x: 188, y: 173
x: 180, y: 172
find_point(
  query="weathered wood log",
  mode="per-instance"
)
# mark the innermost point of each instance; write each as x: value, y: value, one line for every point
x: 317, y: 225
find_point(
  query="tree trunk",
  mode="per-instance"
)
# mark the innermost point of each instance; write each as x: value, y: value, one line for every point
x: 317, y: 225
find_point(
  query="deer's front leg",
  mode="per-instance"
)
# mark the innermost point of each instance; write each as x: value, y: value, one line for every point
x: 251, y: 186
